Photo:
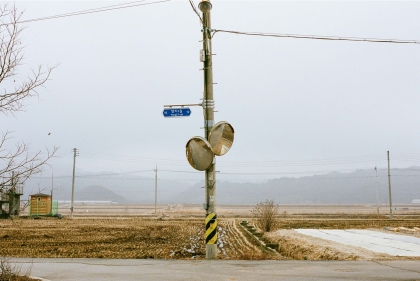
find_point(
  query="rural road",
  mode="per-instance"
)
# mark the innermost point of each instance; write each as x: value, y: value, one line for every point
x: 119, y: 269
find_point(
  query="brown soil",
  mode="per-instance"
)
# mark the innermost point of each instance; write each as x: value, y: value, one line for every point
x: 140, y: 238
x: 177, y: 238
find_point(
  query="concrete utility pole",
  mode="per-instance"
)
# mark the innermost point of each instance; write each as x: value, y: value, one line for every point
x: 155, y: 190
x: 208, y: 110
x: 389, y: 187
x: 377, y: 195
x: 72, y: 183
x: 52, y: 184
x: 52, y: 191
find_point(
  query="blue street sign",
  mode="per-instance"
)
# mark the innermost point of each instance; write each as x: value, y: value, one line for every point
x: 176, y: 112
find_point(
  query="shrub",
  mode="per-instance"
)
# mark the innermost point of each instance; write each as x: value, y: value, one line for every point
x: 265, y: 214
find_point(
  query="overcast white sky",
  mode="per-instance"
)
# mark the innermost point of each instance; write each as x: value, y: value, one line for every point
x: 297, y: 105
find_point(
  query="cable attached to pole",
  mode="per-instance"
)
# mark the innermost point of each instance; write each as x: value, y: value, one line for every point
x: 318, y: 37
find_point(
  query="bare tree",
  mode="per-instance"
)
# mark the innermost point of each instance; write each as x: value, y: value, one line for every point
x: 265, y: 214
x: 11, y: 57
x: 13, y: 93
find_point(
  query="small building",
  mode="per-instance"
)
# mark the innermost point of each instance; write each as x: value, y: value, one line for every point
x: 40, y: 205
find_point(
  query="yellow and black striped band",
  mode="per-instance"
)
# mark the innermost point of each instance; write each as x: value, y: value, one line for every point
x: 211, y: 229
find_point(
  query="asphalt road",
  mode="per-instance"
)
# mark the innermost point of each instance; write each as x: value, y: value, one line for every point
x: 100, y: 269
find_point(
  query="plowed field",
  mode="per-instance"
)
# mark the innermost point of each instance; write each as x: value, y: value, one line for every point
x: 175, y: 238
x: 120, y: 238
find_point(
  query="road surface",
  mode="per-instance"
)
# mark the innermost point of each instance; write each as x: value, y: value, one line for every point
x: 119, y: 269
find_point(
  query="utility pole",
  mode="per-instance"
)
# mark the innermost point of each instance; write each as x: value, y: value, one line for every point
x: 52, y: 191
x: 72, y: 183
x: 155, y: 190
x: 377, y: 196
x: 52, y: 184
x: 389, y: 187
x: 208, y: 110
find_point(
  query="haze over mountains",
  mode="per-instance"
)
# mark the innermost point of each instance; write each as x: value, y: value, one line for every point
x: 358, y: 187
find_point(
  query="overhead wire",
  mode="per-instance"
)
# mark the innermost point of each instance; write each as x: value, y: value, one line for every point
x: 238, y: 164
x: 246, y: 164
x: 355, y: 159
x: 112, y: 174
x: 318, y: 37
x: 373, y: 158
x: 96, y: 10
x: 222, y: 174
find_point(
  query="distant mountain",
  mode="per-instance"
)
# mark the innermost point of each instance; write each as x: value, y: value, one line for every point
x: 98, y: 193
x: 358, y: 187
x: 133, y: 188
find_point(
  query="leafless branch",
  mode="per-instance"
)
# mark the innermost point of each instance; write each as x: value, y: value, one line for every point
x: 20, y: 161
x: 11, y: 57
x: 195, y: 10
x: 17, y: 164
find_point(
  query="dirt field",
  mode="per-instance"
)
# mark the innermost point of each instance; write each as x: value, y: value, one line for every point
x: 119, y: 238
x: 238, y: 211
x: 177, y: 232
x: 175, y: 238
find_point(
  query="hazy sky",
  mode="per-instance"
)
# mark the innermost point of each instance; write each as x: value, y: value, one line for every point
x: 297, y: 105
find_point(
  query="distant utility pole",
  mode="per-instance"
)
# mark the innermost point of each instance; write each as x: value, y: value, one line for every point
x: 156, y: 190
x: 377, y: 196
x: 52, y: 184
x: 75, y: 152
x: 208, y: 108
x: 389, y: 187
x: 52, y: 190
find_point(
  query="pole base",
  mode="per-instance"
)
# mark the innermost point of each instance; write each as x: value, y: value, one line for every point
x: 211, y: 251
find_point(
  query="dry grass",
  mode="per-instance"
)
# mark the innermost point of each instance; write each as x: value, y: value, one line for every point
x: 133, y: 238
x: 95, y: 238
x: 12, y: 273
x: 302, y: 251
x: 340, y: 223
x: 176, y: 238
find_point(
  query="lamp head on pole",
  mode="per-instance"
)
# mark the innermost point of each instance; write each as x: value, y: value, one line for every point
x: 205, y: 6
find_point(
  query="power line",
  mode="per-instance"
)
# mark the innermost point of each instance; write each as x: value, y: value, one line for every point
x: 132, y: 159
x: 253, y: 164
x: 108, y: 178
x: 319, y: 37
x: 319, y: 176
x: 185, y: 172
x: 308, y: 178
x: 96, y: 10
x: 112, y: 174
x: 356, y: 159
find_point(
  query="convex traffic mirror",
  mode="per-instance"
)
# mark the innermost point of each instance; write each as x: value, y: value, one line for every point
x: 199, y: 153
x: 221, y: 138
